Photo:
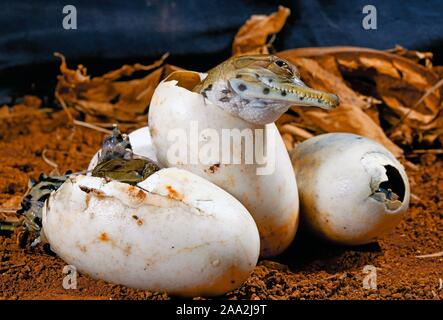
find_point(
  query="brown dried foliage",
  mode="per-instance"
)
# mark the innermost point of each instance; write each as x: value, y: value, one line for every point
x: 252, y: 37
x: 109, y: 98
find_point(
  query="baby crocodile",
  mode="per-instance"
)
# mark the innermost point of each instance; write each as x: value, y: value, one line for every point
x: 116, y: 161
x: 259, y: 88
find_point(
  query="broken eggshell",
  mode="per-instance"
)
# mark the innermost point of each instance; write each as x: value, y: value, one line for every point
x: 351, y: 188
x: 174, y: 232
x: 268, y: 191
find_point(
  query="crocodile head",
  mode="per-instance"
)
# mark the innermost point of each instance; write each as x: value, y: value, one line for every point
x: 260, y: 88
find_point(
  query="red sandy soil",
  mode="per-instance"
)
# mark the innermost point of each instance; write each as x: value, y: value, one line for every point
x: 310, y: 269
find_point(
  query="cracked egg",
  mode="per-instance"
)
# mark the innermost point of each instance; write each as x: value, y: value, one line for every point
x: 351, y: 188
x: 190, y: 132
x: 173, y: 232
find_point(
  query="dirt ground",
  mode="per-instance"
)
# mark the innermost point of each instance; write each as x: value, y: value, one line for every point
x: 310, y: 269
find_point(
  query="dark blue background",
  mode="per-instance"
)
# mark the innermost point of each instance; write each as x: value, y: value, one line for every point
x: 197, y: 33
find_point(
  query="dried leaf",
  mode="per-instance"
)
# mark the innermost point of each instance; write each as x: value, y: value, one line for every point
x: 402, y: 135
x: 108, y: 98
x: 299, y: 133
x: 407, y: 90
x: 252, y: 36
x: 349, y: 116
x: 288, y: 140
x: 424, y: 58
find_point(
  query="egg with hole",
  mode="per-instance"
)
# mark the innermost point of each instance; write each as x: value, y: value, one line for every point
x: 246, y: 159
x: 173, y: 232
x: 352, y: 189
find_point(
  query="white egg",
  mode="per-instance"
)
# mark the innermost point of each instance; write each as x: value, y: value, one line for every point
x: 189, y: 132
x: 351, y: 188
x: 174, y: 232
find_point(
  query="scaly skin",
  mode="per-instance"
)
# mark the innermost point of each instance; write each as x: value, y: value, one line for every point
x: 260, y: 88
x: 117, y: 161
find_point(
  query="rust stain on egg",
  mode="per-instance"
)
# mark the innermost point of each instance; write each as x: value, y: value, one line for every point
x: 214, y: 167
x: 99, y: 194
x: 137, y: 220
x: 87, y: 199
x: 103, y: 237
x: 136, y: 193
x: 173, y: 194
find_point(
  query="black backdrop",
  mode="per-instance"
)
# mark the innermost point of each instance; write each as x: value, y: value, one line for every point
x: 197, y: 33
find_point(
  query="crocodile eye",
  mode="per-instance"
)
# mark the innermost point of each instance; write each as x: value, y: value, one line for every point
x: 281, y: 63
x: 284, y: 65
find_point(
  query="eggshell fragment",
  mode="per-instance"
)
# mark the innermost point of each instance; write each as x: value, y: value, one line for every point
x: 176, y: 232
x: 271, y: 197
x: 341, y: 178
